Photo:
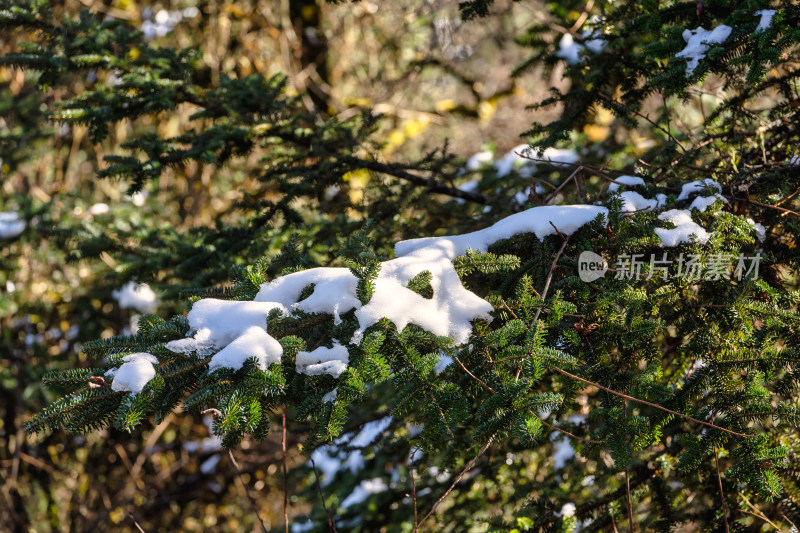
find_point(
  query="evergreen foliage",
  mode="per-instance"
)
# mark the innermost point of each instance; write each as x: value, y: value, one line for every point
x: 649, y: 402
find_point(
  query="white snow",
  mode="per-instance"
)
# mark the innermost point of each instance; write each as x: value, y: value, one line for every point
x: 685, y: 226
x: 363, y: 490
x: 209, y: 466
x: 562, y: 450
x: 331, y: 458
x: 702, y: 203
x: 98, y: 209
x: 323, y: 360
x: 253, y: 342
x: 570, y: 51
x: 633, y: 201
x: 334, y: 291
x: 630, y: 181
x: 11, y: 225
x: 330, y: 397
x: 238, y: 328
x: 766, y: 19
x: 136, y: 371
x: 761, y: 231
x: 698, y: 42
x: 513, y: 159
x: 697, y: 186
x: 137, y: 296
x: 212, y: 443
x: 479, y: 160
x: 219, y: 322
x: 443, y: 362
x: 568, y: 509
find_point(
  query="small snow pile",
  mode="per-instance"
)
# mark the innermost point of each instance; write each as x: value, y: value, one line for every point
x: 766, y: 19
x: 443, y: 362
x: 323, y: 360
x: 237, y: 329
x: 698, y: 42
x: 137, y: 296
x: 11, y: 225
x: 630, y: 181
x: 330, y: 397
x: 685, y: 227
x: 363, y: 490
x: 570, y: 51
x: 701, y: 203
x: 479, y: 160
x: 761, y: 231
x: 633, y: 201
x: 98, y: 209
x: 136, y: 371
x: 697, y: 186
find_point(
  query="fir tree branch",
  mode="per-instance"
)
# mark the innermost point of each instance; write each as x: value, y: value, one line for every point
x: 654, y: 405
x: 430, y: 183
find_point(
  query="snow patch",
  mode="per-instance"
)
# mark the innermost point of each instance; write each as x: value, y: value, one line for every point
x: 701, y: 203
x: 630, y: 181
x: 11, y: 225
x: 766, y: 19
x: 697, y: 186
x: 685, y: 227
x: 323, y: 360
x: 137, y: 296
x: 698, y: 42
x: 136, y: 371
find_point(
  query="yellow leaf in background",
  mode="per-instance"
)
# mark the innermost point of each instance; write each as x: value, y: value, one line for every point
x: 414, y: 127
x: 596, y: 133
x: 357, y: 102
x: 603, y: 117
x: 133, y: 54
x: 445, y: 105
x: 486, y: 110
x: 396, y: 138
x: 357, y: 179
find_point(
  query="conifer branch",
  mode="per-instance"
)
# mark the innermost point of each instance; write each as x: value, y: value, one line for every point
x: 654, y: 405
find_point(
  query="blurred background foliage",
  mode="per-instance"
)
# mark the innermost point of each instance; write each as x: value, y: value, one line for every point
x: 431, y: 77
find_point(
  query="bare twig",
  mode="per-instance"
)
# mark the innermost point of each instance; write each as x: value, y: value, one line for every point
x: 630, y: 504
x: 135, y: 523
x: 455, y: 482
x: 757, y: 513
x: 654, y: 405
x: 331, y: 520
x: 721, y: 492
x: 414, y: 497
x: 473, y: 376
x: 285, y: 475
x: 246, y: 491
x: 567, y: 433
x: 748, y: 200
